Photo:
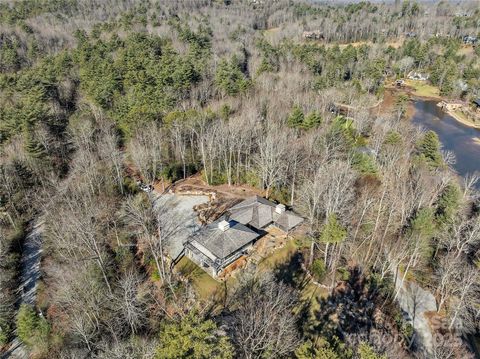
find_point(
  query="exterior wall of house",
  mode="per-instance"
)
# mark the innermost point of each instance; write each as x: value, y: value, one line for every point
x: 201, y: 261
x: 204, y: 262
x: 233, y: 257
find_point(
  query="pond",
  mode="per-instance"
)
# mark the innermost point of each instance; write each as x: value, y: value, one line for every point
x: 462, y: 140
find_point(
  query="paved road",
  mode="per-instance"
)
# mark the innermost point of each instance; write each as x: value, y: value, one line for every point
x: 30, y: 274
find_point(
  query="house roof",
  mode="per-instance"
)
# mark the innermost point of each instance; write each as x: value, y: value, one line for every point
x: 216, y: 243
x: 287, y: 220
x: 255, y: 211
x: 259, y: 212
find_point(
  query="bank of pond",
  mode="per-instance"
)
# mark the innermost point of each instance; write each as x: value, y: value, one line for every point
x: 462, y: 140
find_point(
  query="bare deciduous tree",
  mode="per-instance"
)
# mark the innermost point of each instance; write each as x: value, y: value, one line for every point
x: 272, y: 153
x: 131, y: 300
x: 147, y: 152
x: 264, y: 322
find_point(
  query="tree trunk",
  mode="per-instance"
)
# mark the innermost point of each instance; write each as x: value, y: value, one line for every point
x: 312, y: 246
x: 326, y: 254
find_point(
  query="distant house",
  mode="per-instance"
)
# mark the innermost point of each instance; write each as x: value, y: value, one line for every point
x: 451, y: 105
x: 410, y: 34
x: 476, y: 104
x: 313, y: 35
x: 399, y: 83
x: 461, y: 14
x: 470, y: 40
x: 221, y: 243
x: 413, y: 75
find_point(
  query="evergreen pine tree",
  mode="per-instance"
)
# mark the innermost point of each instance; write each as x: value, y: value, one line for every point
x: 193, y: 337
x: 429, y: 147
x: 333, y: 231
x: 365, y: 351
x: 296, y: 118
x: 312, y: 120
x: 448, y: 203
x: 32, y: 146
x: 26, y: 323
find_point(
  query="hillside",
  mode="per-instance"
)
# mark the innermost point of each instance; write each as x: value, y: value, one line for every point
x: 228, y: 179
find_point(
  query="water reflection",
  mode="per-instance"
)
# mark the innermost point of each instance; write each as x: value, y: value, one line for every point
x: 462, y: 140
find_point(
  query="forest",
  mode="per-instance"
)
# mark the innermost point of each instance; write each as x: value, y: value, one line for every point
x: 97, y: 94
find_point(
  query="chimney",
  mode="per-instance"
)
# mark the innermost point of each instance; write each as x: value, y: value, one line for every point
x: 223, y: 225
x: 226, y: 216
x: 280, y: 208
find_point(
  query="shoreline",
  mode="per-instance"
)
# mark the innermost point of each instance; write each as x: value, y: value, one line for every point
x: 438, y: 98
x: 461, y: 120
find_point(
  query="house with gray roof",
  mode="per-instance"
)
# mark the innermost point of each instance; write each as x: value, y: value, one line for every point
x: 220, y: 243
x: 258, y: 213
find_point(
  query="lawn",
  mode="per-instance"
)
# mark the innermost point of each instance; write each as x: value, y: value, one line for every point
x: 204, y: 285
x: 462, y: 116
x: 422, y: 88
x: 278, y: 257
x: 284, y: 261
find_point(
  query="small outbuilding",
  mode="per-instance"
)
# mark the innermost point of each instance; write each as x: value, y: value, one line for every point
x: 418, y: 76
x: 470, y: 40
x: 313, y: 35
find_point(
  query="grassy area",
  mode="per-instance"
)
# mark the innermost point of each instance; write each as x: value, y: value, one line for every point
x: 204, y: 285
x: 282, y: 260
x: 422, y: 88
x: 313, y: 293
x: 462, y: 116
x: 467, y: 50
x: 278, y: 257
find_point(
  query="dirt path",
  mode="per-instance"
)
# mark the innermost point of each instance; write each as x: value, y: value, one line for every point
x: 30, y: 274
x: 196, y: 183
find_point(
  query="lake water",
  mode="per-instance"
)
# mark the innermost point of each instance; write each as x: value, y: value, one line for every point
x: 462, y: 140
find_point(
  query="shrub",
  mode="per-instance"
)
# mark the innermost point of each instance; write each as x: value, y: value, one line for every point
x: 3, y: 337
x: 216, y: 178
x: 280, y: 194
x: 404, y: 327
x: 319, y: 270
x: 251, y: 179
x: 193, y: 337
x: 129, y: 185
x: 344, y: 273
x: 32, y: 329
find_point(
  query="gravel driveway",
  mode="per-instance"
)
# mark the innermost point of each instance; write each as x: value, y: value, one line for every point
x: 178, y: 211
